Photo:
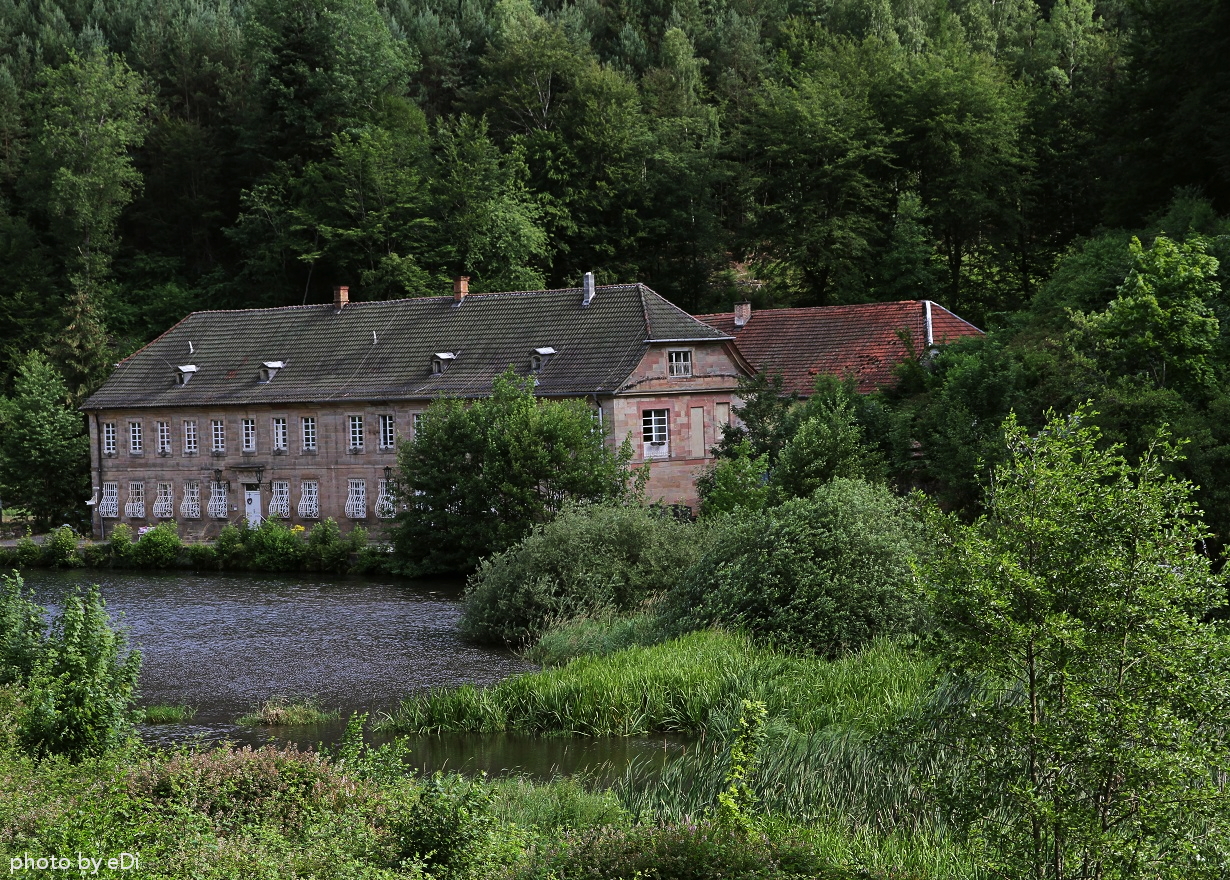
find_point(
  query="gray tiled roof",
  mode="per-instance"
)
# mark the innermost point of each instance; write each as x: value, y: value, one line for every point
x: 333, y: 356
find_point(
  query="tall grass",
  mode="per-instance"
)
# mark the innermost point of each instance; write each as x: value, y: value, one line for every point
x: 681, y: 686
x: 287, y: 712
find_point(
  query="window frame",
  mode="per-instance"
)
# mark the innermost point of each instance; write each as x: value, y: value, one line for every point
x: 110, y: 439
x: 354, y: 432
x: 679, y: 363
x: 388, y: 431
x: 247, y: 434
x: 164, y: 437
x: 308, y: 435
x: 217, y: 436
x: 655, y: 432
x: 136, y: 438
x: 280, y: 427
x: 192, y: 444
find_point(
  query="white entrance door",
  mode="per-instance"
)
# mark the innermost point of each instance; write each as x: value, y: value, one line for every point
x: 252, y: 505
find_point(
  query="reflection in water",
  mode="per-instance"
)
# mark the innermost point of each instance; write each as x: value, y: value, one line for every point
x: 224, y: 643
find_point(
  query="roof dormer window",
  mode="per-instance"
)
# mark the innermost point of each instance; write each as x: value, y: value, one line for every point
x: 269, y: 369
x: 440, y: 361
x: 540, y: 358
x: 184, y: 373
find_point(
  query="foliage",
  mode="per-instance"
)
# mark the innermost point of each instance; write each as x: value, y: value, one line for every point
x: 596, y: 636
x: 1084, y: 685
x: 735, y: 804
x: 120, y: 545
x: 827, y: 573
x: 478, y: 476
x: 826, y: 446
x: 735, y: 482
x: 231, y: 545
x: 158, y: 548
x: 272, y: 546
x: 688, y: 685
x: 1162, y: 323
x: 162, y: 714
x: 446, y: 828
x: 79, y: 695
x: 287, y: 712
x: 22, y: 637
x: 43, y: 449
x: 591, y: 559
x: 60, y: 548
x: 326, y: 549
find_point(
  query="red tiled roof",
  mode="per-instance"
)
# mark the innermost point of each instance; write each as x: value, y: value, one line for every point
x: 862, y: 341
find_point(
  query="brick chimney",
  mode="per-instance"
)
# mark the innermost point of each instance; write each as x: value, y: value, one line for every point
x: 743, y: 313
x: 341, y: 296
x: 461, y: 286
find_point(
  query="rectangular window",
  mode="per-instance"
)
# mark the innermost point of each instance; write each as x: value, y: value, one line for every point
x: 356, y: 433
x: 108, y: 438
x: 218, y: 432
x: 190, y: 445
x: 280, y: 436
x: 190, y: 507
x: 309, y: 499
x: 134, y: 438
x: 249, y: 435
x: 279, y: 504
x: 309, y: 433
x: 217, y: 500
x: 680, y: 363
x: 164, y: 438
x: 135, y: 508
x: 653, y: 432
x: 387, y: 433
x: 164, y: 502
x: 356, y: 499
x: 109, y: 506
x: 417, y: 419
x: 385, y: 508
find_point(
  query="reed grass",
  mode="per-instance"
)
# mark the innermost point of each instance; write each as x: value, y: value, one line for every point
x: 686, y: 686
x: 161, y: 714
x: 287, y: 712
x: 597, y: 637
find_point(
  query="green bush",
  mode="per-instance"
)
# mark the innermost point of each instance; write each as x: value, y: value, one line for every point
x: 592, y: 558
x: 159, y: 547
x: 447, y: 828
x: 327, y: 550
x: 79, y: 695
x: 8, y: 558
x: 231, y: 545
x: 826, y: 574
x: 95, y: 555
x: 28, y: 553
x: 121, y: 546
x: 202, y: 556
x: 60, y: 549
x: 274, y: 547
x: 21, y: 630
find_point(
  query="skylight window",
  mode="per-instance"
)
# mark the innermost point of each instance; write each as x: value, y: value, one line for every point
x: 269, y: 369
x: 183, y: 373
x: 540, y: 358
x: 441, y: 360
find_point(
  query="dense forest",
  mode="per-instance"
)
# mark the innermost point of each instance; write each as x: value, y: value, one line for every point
x: 997, y: 156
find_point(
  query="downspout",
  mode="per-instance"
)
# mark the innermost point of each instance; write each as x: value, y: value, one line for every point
x: 930, y: 335
x: 98, y: 489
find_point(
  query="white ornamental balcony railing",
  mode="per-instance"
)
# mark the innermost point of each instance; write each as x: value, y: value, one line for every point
x: 217, y: 501
x: 356, y: 500
x: 190, y: 507
x: 309, y: 502
x: 385, y: 508
x: 164, y: 504
x: 109, y: 506
x: 135, y: 506
x: 279, y: 504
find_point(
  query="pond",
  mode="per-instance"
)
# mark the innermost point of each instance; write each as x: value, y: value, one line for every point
x: 223, y: 643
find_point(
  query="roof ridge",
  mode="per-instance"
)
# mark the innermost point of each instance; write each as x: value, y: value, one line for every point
x: 895, y: 302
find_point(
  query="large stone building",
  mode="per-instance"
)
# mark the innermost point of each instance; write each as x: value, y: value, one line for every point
x: 296, y: 412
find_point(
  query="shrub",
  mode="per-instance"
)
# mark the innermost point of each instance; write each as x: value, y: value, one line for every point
x: 732, y: 483
x: 27, y: 553
x: 827, y: 573
x: 327, y: 550
x: 159, y: 547
x: 21, y: 630
x: 274, y: 547
x: 446, y: 828
x: 592, y: 558
x: 60, y: 548
x: 79, y: 696
x: 120, y: 545
x: 202, y: 556
x: 827, y: 446
x: 231, y: 545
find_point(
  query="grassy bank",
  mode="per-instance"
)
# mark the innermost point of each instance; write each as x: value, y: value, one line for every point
x: 687, y: 685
